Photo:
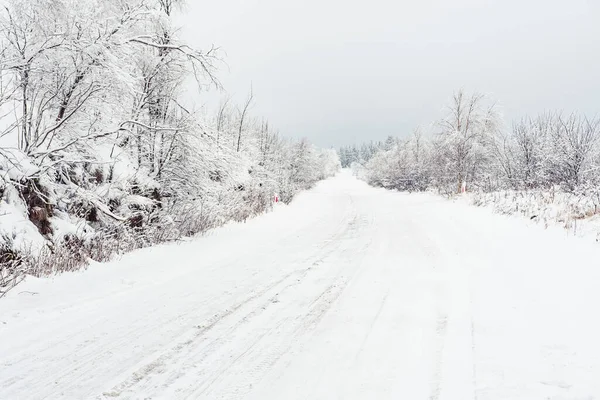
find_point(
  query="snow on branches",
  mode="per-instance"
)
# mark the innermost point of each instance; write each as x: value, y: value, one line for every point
x: 97, y: 152
x: 471, y: 149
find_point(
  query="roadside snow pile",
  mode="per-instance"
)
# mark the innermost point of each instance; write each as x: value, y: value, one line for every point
x: 576, y: 212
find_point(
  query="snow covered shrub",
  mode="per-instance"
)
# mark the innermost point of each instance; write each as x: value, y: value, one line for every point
x: 329, y: 163
x: 11, y: 261
x: 405, y: 166
x: 305, y: 166
x: 255, y: 201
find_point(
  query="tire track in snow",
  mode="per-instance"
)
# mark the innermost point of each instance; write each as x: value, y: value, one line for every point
x: 195, y: 351
x: 370, y: 330
x: 151, y: 366
x: 298, y: 328
x: 454, y: 373
x: 91, y: 354
x: 440, y: 330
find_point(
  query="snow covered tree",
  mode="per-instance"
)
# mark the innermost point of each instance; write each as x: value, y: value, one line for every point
x: 547, y: 151
x: 97, y: 148
x: 406, y: 166
x: 574, y: 139
x: 463, y: 146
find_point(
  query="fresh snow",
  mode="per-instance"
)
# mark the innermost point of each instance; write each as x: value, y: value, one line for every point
x: 15, y: 225
x: 350, y: 292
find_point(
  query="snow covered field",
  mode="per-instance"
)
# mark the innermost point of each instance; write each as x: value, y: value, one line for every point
x: 350, y: 292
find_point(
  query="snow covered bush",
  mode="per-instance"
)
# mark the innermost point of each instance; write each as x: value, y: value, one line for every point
x: 405, y: 166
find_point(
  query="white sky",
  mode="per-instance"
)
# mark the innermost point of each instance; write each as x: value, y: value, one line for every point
x: 346, y: 71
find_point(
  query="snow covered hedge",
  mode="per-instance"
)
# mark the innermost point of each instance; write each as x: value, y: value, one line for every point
x: 97, y: 153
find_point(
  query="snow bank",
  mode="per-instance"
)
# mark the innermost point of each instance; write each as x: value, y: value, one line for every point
x: 15, y: 227
x: 578, y: 213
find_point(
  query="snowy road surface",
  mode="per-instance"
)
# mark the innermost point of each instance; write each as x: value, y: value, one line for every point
x: 349, y: 293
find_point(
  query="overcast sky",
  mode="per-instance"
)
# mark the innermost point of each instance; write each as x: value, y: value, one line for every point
x: 346, y: 71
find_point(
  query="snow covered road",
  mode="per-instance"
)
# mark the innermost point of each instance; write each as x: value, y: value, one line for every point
x: 351, y: 292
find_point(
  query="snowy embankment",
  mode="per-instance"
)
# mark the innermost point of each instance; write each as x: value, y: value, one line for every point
x: 576, y: 214
x: 52, y: 223
x: 349, y: 292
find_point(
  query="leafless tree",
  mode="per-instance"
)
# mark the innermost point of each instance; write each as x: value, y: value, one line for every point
x: 221, y: 115
x: 466, y: 134
x: 574, y: 140
x: 243, y: 117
